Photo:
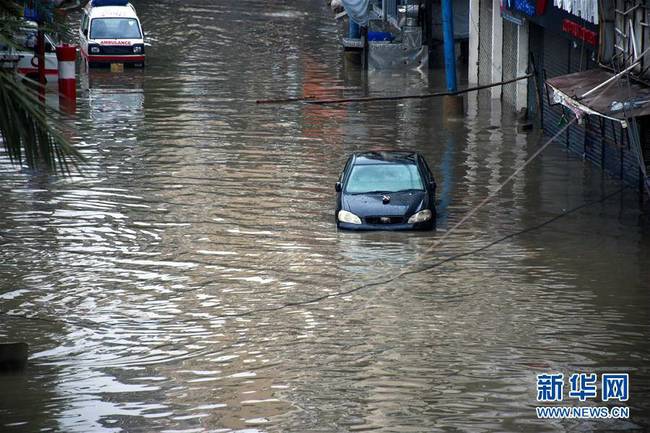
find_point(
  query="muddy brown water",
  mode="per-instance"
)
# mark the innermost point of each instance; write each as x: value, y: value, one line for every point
x: 198, y: 207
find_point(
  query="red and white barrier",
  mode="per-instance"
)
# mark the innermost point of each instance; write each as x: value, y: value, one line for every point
x: 67, y: 57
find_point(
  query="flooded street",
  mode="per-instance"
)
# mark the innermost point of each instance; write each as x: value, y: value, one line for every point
x: 192, y: 278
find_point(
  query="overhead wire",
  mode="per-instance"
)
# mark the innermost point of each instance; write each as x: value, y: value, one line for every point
x: 411, y: 269
x: 311, y: 100
x: 405, y: 271
x: 467, y: 216
x: 436, y: 264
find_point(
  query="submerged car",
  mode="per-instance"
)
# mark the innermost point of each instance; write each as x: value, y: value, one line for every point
x: 110, y: 33
x: 386, y: 191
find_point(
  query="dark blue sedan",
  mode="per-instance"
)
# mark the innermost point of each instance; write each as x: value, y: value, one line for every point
x: 386, y: 191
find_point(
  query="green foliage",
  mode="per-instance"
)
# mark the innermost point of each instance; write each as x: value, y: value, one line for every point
x: 26, y: 129
x: 26, y: 124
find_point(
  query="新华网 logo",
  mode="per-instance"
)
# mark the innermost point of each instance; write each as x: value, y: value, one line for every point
x: 581, y: 387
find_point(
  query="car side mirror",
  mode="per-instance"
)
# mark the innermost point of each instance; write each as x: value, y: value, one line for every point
x: 338, y: 187
x: 433, y: 186
x: 86, y: 33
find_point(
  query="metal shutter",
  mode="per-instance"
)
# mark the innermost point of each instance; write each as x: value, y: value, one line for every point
x: 509, y: 62
x: 485, y: 42
x: 555, y: 61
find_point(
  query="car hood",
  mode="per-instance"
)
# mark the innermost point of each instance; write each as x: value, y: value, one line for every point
x: 401, y: 203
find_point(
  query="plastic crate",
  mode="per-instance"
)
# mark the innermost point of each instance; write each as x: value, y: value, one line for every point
x: 380, y: 36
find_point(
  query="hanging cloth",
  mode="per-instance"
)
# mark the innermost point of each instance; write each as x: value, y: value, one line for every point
x: 357, y: 10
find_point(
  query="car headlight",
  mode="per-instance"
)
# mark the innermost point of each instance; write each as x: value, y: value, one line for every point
x: 94, y: 49
x: 420, y: 217
x: 348, y: 217
x: 137, y: 49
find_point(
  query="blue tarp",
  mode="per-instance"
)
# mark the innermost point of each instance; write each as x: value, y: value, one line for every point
x: 357, y: 10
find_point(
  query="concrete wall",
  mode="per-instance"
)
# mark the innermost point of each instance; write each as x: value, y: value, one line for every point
x: 489, y: 33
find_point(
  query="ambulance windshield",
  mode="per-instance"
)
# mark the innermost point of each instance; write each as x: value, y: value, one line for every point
x: 115, y: 28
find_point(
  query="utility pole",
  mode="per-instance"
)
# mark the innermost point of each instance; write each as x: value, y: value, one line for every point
x: 448, y: 39
x: 40, y: 44
x: 354, y: 31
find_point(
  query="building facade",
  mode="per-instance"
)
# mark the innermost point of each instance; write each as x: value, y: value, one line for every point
x: 572, y: 47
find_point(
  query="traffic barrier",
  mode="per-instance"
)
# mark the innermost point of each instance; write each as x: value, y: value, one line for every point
x: 67, y: 57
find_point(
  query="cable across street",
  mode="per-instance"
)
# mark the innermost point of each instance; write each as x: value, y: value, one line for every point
x: 311, y: 100
x: 414, y: 269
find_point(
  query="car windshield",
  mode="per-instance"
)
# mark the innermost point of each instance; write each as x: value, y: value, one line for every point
x: 384, y: 178
x: 115, y: 28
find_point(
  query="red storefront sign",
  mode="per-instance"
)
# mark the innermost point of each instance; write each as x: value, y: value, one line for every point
x: 579, y: 32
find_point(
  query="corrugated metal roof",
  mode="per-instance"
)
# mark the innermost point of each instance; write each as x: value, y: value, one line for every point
x: 607, y: 101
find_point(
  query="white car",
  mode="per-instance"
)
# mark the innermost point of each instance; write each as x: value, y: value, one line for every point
x: 23, y: 58
x: 110, y: 32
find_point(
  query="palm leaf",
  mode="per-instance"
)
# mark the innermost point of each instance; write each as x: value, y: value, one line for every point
x: 26, y: 124
x: 26, y: 129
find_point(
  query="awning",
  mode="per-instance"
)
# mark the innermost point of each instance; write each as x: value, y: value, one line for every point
x: 613, y: 101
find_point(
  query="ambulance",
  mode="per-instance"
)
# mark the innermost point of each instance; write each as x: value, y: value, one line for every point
x: 110, y: 33
x: 22, y: 56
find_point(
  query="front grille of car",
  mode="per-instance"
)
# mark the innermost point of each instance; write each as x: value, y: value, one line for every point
x: 384, y: 220
x: 117, y: 49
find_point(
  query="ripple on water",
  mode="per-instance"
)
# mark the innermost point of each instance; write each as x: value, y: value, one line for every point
x: 173, y: 285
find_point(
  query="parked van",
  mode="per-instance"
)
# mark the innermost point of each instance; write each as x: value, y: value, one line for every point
x: 23, y: 58
x: 110, y: 32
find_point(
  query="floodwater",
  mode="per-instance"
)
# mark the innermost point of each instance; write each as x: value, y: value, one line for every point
x: 168, y: 288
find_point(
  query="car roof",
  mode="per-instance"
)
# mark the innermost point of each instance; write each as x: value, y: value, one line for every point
x: 112, y: 11
x: 386, y: 157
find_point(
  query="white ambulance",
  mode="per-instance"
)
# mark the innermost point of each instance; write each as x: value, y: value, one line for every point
x: 110, y: 33
x: 22, y: 56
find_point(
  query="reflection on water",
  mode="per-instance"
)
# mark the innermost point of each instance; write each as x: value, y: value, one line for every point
x: 120, y: 95
x: 198, y: 207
